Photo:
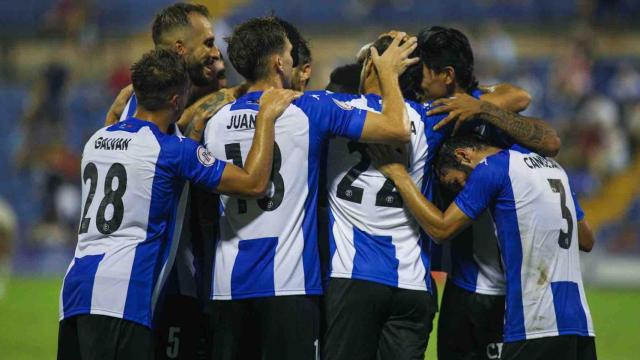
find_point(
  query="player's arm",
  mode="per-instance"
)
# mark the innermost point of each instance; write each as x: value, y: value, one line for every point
x: 116, y: 109
x: 438, y: 225
x: 251, y: 180
x: 194, y: 119
x: 533, y: 133
x: 586, y: 240
x: 506, y: 96
x: 392, y: 125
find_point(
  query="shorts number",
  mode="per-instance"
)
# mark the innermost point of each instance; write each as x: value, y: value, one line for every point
x: 112, y: 197
x: 386, y: 196
x: 267, y: 203
x: 173, y: 350
x: 564, y: 238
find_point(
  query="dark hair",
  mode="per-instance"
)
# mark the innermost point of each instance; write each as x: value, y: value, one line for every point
x: 345, y: 79
x: 252, y: 43
x: 157, y: 76
x: 441, y: 47
x: 411, y: 79
x: 301, y: 53
x: 174, y: 16
x: 447, y: 156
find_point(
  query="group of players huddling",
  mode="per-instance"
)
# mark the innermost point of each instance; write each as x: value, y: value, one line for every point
x: 331, y: 208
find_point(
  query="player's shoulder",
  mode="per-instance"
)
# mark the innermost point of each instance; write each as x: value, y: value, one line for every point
x: 323, y: 98
x: 493, y: 168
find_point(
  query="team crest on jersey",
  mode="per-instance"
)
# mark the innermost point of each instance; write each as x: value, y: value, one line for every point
x: 205, y: 157
x: 343, y: 105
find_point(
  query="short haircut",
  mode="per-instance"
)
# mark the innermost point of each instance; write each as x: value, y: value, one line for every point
x: 301, y: 53
x: 157, y: 76
x: 345, y: 79
x: 447, y: 155
x: 251, y: 45
x: 411, y: 79
x: 441, y: 47
x: 173, y: 17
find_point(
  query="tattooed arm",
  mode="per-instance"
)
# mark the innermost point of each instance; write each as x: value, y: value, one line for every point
x: 194, y: 119
x: 532, y: 133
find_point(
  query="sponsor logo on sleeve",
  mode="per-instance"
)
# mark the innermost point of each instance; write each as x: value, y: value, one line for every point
x: 205, y: 156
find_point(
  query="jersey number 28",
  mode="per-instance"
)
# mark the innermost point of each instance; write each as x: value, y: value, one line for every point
x: 111, y: 197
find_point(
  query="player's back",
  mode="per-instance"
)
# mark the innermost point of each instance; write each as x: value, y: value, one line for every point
x: 536, y: 219
x: 268, y: 247
x: 125, y: 238
x: 372, y: 236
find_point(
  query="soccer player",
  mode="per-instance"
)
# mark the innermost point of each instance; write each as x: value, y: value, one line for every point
x: 539, y: 226
x: 472, y: 309
x: 378, y: 301
x: 267, y: 274
x: 133, y: 176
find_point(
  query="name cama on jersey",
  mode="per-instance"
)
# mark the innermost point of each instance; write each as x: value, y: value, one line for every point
x: 535, y: 215
x: 371, y: 236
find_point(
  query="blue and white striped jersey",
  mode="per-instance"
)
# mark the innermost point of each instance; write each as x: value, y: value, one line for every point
x: 269, y: 247
x: 371, y: 235
x: 536, y: 222
x: 472, y: 258
x: 133, y: 180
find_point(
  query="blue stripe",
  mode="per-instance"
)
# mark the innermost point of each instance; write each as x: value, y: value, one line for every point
x: 153, y: 253
x: 253, y: 270
x: 133, y: 105
x: 375, y: 258
x: 78, y: 285
x: 464, y: 268
x: 570, y: 316
x: 310, y: 252
x: 425, y: 256
x: 332, y: 247
x: 506, y: 219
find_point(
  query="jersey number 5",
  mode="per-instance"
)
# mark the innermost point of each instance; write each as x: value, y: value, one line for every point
x: 564, y: 239
x: 112, y: 197
x: 267, y: 203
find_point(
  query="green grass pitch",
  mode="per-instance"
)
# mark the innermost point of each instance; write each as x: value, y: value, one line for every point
x: 29, y: 319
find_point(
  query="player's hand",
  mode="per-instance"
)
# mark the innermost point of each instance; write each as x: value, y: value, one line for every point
x: 394, y: 33
x: 116, y: 109
x: 274, y: 102
x: 461, y: 108
x: 396, y: 58
x: 387, y: 159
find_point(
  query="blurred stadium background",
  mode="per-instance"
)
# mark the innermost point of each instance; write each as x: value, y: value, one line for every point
x: 63, y: 61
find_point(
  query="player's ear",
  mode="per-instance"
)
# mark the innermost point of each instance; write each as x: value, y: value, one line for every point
x: 179, y: 47
x: 305, y: 73
x: 463, y: 156
x: 278, y: 63
x: 449, y: 75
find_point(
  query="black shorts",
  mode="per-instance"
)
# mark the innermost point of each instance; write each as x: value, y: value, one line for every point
x: 367, y: 320
x: 566, y: 347
x: 470, y: 325
x: 270, y: 328
x: 88, y: 337
x: 179, y: 331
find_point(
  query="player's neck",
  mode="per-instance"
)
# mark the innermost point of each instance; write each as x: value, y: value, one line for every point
x: 267, y: 83
x: 162, y: 118
x: 372, y: 87
x: 458, y: 90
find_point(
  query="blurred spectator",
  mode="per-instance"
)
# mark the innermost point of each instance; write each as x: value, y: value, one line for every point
x: 66, y: 18
x: 7, y: 235
x: 625, y: 84
x: 497, y: 50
